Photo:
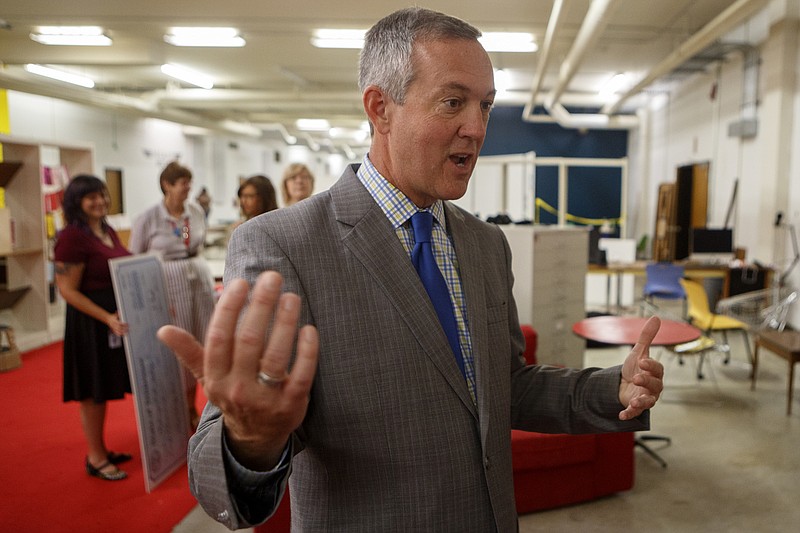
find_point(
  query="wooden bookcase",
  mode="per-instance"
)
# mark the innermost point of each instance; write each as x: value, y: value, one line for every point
x: 25, y: 266
x: 691, y: 205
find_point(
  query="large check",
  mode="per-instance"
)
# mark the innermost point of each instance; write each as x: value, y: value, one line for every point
x: 157, y: 378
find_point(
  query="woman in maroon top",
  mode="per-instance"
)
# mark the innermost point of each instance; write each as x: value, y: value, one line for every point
x: 95, y: 369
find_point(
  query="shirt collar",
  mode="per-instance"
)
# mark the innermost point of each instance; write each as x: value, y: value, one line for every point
x: 168, y: 216
x: 397, y: 207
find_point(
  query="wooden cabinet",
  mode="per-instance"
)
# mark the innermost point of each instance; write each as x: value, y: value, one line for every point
x: 25, y: 267
x: 691, y: 206
x: 550, y: 264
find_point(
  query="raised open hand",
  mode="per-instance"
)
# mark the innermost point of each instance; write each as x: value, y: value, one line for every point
x: 245, y: 373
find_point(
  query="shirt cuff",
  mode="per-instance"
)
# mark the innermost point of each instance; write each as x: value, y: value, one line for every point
x: 256, y: 494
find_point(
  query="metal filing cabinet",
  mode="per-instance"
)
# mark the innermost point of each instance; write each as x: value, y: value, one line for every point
x: 549, y: 264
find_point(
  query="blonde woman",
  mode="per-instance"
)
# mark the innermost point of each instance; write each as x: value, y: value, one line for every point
x: 297, y: 184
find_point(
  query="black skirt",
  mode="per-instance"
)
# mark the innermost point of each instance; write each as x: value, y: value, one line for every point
x: 92, y: 368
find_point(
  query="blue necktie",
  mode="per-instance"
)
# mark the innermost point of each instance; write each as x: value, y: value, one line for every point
x: 435, y: 285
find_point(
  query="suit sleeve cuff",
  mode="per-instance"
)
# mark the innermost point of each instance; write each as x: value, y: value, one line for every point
x: 256, y: 495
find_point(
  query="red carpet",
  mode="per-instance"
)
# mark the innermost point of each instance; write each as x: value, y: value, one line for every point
x: 43, y: 484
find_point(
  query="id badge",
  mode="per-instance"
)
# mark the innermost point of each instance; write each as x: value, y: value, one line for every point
x: 114, y: 340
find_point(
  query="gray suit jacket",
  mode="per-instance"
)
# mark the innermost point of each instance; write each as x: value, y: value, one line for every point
x: 392, y: 440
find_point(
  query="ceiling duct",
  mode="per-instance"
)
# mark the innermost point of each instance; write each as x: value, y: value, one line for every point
x: 594, y: 23
x: 124, y: 104
x: 747, y: 125
x: 719, y: 26
x: 553, y: 25
x: 592, y: 27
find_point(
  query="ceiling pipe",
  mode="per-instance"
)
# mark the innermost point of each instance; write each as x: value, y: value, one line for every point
x: 123, y: 104
x: 288, y: 138
x: 593, y: 25
x: 348, y: 152
x: 593, y: 121
x: 722, y: 24
x: 217, y: 97
x: 241, y: 128
x: 314, y: 145
x: 545, y: 54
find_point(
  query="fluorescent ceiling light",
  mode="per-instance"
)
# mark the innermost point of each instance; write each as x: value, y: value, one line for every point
x: 334, y: 38
x: 71, y: 36
x: 361, y: 136
x: 613, y: 85
x: 60, y: 75
x: 355, y: 134
x: 339, y: 133
x: 188, y: 75
x: 508, y: 42
x: 205, y: 36
x: 502, y: 80
x: 491, y: 41
x: 312, y: 124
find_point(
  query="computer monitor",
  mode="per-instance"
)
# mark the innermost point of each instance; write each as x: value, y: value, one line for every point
x: 596, y: 255
x: 711, y: 241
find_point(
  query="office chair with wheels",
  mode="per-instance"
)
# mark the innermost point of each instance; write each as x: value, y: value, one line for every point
x: 701, y: 317
x: 700, y: 347
x: 663, y: 280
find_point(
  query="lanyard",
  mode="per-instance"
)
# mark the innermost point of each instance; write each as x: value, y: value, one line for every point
x: 182, y: 232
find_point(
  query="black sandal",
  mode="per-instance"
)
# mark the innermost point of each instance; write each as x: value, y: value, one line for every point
x: 97, y: 471
x: 118, y: 458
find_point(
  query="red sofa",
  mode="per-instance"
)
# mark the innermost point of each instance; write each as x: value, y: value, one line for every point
x: 549, y: 470
x: 555, y: 470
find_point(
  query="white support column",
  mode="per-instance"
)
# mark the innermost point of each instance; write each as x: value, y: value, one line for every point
x: 780, y: 56
x: 562, y: 194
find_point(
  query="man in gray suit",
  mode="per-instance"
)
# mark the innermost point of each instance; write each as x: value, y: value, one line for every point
x: 383, y: 425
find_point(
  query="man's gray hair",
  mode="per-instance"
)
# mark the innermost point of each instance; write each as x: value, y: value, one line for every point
x: 385, y: 60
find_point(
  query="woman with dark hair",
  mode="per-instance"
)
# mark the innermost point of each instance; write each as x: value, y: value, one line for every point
x: 95, y: 369
x: 176, y: 229
x: 256, y: 196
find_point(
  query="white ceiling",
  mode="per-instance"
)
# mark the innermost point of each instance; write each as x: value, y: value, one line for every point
x: 279, y: 76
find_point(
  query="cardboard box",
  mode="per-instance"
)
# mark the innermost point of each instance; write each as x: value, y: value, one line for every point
x: 9, y: 354
x: 6, y: 231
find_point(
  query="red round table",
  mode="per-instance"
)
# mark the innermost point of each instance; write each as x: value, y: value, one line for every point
x: 624, y: 330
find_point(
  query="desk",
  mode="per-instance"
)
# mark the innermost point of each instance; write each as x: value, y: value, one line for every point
x: 785, y: 344
x: 624, y: 331
x: 638, y: 268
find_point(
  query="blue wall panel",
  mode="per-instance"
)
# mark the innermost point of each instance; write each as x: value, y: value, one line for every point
x: 507, y: 133
x: 593, y: 192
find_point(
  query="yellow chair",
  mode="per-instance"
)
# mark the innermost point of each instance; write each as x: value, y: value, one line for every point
x: 701, y: 317
x: 699, y: 347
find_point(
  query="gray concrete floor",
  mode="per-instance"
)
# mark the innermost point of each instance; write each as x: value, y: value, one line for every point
x: 733, y: 464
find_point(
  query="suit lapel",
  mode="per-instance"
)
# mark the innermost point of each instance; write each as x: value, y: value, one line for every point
x: 469, y: 264
x: 373, y: 242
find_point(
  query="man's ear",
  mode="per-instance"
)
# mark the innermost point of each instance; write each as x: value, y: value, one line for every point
x: 376, y: 106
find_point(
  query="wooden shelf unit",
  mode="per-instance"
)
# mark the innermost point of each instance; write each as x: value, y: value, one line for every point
x: 35, y: 320
x: 8, y: 169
